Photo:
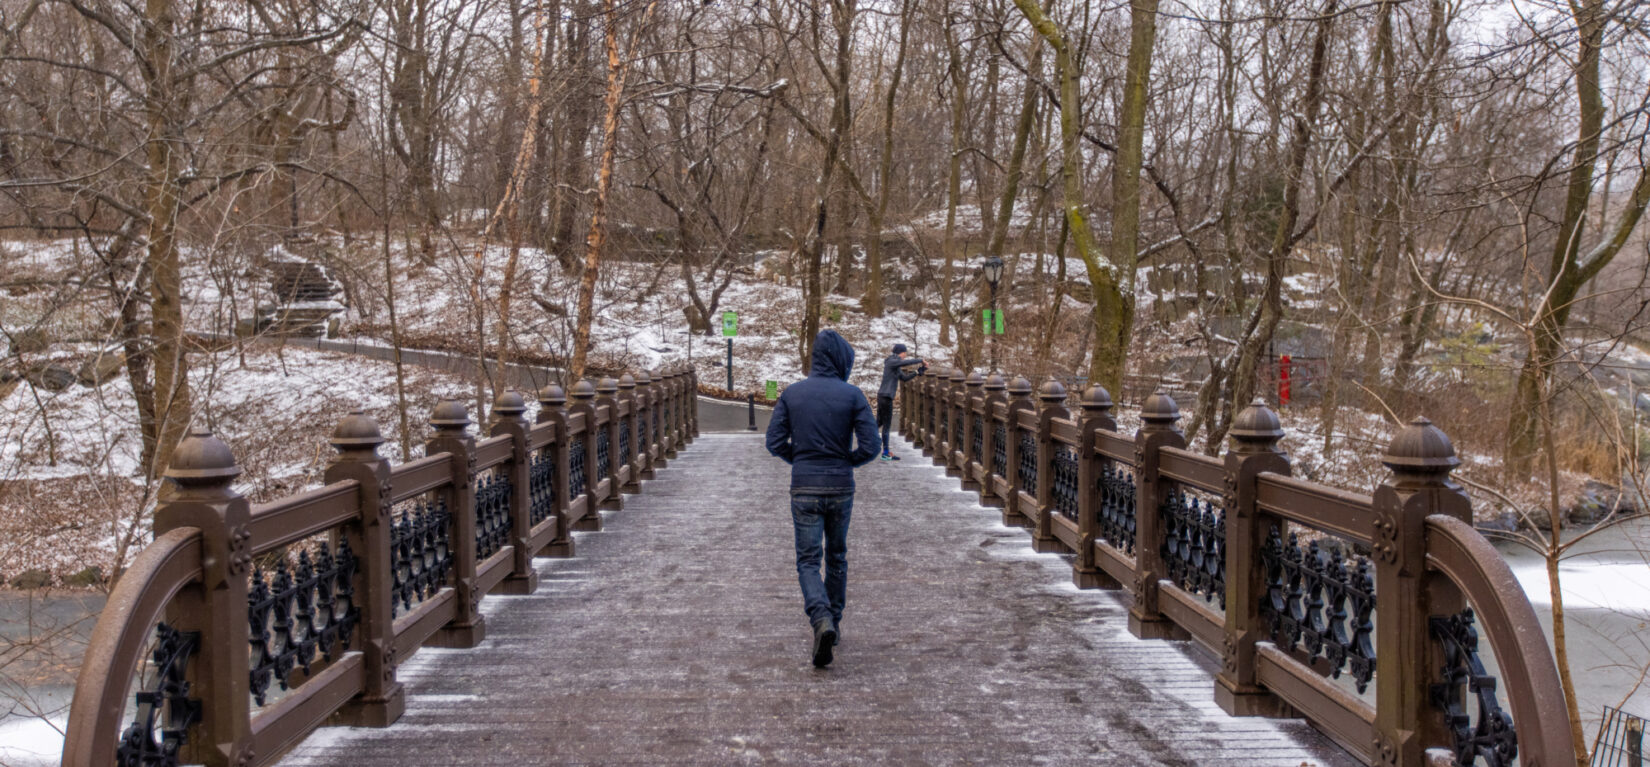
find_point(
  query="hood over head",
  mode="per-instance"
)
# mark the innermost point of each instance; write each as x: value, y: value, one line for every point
x: 832, y: 355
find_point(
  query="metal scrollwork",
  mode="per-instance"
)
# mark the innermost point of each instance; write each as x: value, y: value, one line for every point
x: 1488, y: 738
x: 421, y: 548
x: 541, y: 486
x: 604, y: 454
x: 1194, y: 543
x: 1064, y: 490
x: 625, y: 456
x: 1320, y: 604
x: 978, y: 438
x: 1116, y: 516
x: 577, y: 476
x: 165, y: 712
x: 492, y: 513
x: 298, y: 612
x: 1028, y: 462
x: 999, y: 450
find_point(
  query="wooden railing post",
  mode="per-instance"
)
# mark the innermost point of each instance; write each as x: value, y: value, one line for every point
x: 1096, y: 416
x: 647, y: 413
x: 382, y: 699
x: 1051, y: 404
x: 584, y: 401
x: 953, y: 395
x: 606, y: 391
x: 1255, y: 434
x: 509, y: 417
x: 1157, y: 431
x: 1421, y: 459
x: 660, y: 402
x: 691, y: 405
x: 923, y: 407
x: 989, y: 402
x: 1019, y: 401
x: 673, y: 409
x: 628, y: 402
x: 968, y: 404
x: 197, y: 493
x: 553, y: 408
x: 452, y: 436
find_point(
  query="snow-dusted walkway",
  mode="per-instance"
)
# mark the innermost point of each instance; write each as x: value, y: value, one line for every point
x: 677, y: 637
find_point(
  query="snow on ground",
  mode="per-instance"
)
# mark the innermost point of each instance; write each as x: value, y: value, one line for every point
x: 31, y: 741
x: 275, y: 411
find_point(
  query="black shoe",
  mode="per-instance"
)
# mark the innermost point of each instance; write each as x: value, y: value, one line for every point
x: 824, y: 638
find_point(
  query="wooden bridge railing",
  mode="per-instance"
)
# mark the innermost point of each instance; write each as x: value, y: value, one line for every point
x: 332, y: 588
x: 1361, y: 613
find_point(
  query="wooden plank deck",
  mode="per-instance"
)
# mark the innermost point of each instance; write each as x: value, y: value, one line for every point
x: 677, y: 637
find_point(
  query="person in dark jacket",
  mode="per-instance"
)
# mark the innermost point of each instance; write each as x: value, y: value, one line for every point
x: 894, y: 370
x: 815, y: 427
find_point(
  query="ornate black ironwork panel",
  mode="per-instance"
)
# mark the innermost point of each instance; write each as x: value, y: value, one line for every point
x: 604, y: 454
x: 577, y: 478
x: 646, y: 432
x: 1028, y: 462
x: 165, y: 712
x: 999, y: 450
x: 1321, y: 604
x: 1064, y: 490
x: 1489, y: 737
x: 421, y: 547
x: 625, y: 456
x: 298, y: 611
x: 954, y: 439
x: 1116, y: 515
x: 541, y: 485
x: 493, y: 493
x: 978, y: 437
x: 1194, y: 543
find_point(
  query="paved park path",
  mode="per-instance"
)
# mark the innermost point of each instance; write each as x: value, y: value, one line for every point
x: 677, y: 637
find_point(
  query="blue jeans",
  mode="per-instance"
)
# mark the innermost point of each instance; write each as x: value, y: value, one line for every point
x: 823, y: 515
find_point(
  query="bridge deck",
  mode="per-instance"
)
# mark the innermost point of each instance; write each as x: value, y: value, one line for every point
x: 677, y: 636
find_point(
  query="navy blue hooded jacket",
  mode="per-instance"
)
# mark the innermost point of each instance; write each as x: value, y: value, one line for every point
x: 819, y: 418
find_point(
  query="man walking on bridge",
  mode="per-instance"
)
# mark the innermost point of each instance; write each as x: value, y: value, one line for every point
x: 815, y: 427
x: 893, y: 372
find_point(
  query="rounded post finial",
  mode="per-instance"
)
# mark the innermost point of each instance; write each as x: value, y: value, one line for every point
x: 509, y: 405
x: 956, y: 376
x: 974, y: 380
x: 1020, y: 388
x: 995, y: 382
x: 552, y: 396
x: 450, y: 415
x: 607, y: 386
x: 1421, y: 450
x: 201, y: 459
x: 584, y: 390
x: 627, y: 382
x: 1052, y: 392
x: 1159, y: 411
x: 357, y: 431
x: 1097, y: 399
x: 1256, y: 429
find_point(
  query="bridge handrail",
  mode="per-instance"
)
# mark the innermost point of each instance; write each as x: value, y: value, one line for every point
x: 137, y: 604
x: 200, y: 594
x: 1180, y: 531
x: 1464, y: 556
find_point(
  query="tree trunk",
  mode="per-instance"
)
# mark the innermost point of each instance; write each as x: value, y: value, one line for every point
x: 595, y: 238
x: 161, y: 203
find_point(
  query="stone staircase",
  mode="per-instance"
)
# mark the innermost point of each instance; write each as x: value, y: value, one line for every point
x: 303, y: 300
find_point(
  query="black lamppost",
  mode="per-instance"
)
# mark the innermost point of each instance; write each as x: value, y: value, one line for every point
x: 993, y: 271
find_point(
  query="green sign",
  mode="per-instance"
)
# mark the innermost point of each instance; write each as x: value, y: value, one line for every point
x: 730, y: 324
x: 992, y: 319
x: 773, y: 390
